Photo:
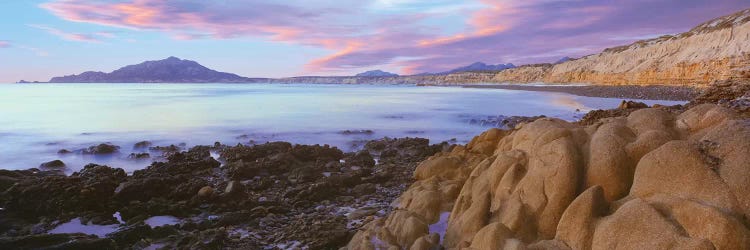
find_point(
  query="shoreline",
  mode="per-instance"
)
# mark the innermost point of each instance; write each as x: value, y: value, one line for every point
x: 284, y: 195
x: 641, y: 92
x: 649, y: 92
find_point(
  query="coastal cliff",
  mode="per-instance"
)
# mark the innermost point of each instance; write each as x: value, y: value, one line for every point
x: 716, y: 50
x: 652, y: 178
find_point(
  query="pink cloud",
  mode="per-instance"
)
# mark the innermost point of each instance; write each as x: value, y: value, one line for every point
x: 545, y: 30
x: 497, y: 31
x: 79, y: 37
x: 4, y: 44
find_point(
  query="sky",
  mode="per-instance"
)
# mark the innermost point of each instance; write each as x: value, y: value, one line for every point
x: 40, y: 39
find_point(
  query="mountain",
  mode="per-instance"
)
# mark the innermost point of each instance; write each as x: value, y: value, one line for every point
x: 480, y: 66
x: 562, y: 60
x: 376, y: 73
x: 169, y: 70
x: 715, y: 50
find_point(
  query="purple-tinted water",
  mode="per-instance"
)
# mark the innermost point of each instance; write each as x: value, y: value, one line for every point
x: 37, y: 120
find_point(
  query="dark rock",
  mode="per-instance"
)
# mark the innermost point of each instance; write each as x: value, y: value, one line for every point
x: 303, y: 174
x: 87, y: 190
x: 631, y: 105
x: 139, y: 156
x: 363, y: 189
x: 142, y: 145
x: 166, y: 151
x: 501, y: 121
x: 103, y: 148
x: 130, y: 234
x: 233, y: 187
x: 361, y: 159
x: 63, y: 151
x: 56, y: 241
x: 53, y: 164
x: 357, y: 132
x: 278, y: 191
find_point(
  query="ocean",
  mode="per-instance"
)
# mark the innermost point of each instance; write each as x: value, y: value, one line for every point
x: 38, y: 120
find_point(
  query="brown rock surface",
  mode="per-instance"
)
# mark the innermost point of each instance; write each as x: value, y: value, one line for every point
x: 653, y: 179
x: 715, y: 50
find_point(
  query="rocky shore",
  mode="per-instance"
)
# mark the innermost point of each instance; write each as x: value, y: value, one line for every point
x: 270, y: 196
x: 633, y: 177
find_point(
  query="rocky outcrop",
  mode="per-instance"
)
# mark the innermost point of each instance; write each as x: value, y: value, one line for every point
x: 655, y: 178
x: 715, y: 50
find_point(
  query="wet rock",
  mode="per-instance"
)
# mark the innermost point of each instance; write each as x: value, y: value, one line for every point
x: 631, y: 105
x: 303, y: 174
x: 205, y: 192
x: 363, y: 189
x: 103, y: 148
x: 357, y: 132
x: 361, y: 159
x: 233, y: 187
x: 56, y: 241
x: 87, y: 190
x: 130, y: 234
x: 142, y: 145
x: 282, y: 193
x: 63, y: 151
x: 361, y: 213
x: 8, y: 178
x: 166, y: 151
x: 501, y: 121
x: 139, y: 156
x: 53, y: 164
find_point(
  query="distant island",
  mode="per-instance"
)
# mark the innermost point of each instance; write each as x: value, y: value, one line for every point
x: 169, y: 70
x: 377, y: 73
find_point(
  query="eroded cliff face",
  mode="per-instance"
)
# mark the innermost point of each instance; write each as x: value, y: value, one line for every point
x: 524, y: 74
x: 716, y: 50
x: 654, y: 179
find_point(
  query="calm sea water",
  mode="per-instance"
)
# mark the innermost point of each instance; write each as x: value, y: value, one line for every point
x: 38, y: 120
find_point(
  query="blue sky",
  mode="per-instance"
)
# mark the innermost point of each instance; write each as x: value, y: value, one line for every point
x: 264, y: 38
